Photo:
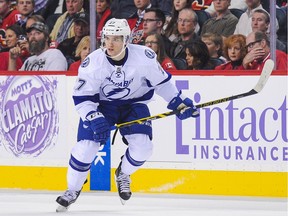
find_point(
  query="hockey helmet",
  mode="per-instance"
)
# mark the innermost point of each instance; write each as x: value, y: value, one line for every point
x: 118, y: 27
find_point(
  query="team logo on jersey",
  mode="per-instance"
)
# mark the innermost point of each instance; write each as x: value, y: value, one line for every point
x: 118, y: 72
x: 117, y: 87
x: 86, y: 62
x: 29, y: 121
x: 149, y: 53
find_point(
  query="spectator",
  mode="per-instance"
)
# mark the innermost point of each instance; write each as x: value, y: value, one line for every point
x: 214, y: 43
x: 244, y: 24
x: 69, y: 45
x: 258, y: 47
x: 197, y: 56
x: 235, y: 4
x: 124, y: 9
x: 44, y: 59
x: 153, y: 22
x: 224, y: 23
x: 25, y: 8
x: 12, y: 34
x: 234, y: 50
x: 8, y: 17
x: 64, y: 26
x: 186, y: 24
x: 163, y: 5
x: 103, y: 13
x: 136, y: 21
x: 261, y: 22
x: 32, y: 19
x: 4, y: 56
x: 45, y: 8
x: 156, y: 43
x: 171, y: 31
x: 82, y: 51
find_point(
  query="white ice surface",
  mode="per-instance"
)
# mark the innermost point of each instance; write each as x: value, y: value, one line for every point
x: 42, y: 203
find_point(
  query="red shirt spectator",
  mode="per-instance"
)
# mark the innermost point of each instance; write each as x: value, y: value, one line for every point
x: 4, y: 56
x: 281, y: 62
x: 168, y: 64
x: 75, y: 66
x: 258, y: 47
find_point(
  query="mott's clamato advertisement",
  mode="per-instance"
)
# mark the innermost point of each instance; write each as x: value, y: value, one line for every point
x: 29, y: 118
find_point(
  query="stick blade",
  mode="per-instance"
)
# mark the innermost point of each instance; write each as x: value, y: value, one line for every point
x: 266, y: 72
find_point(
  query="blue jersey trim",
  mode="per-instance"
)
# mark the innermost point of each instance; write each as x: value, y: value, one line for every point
x: 80, y: 99
x: 145, y: 97
x: 167, y: 79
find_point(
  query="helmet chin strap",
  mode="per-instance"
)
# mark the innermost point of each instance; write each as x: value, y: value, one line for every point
x: 114, y: 57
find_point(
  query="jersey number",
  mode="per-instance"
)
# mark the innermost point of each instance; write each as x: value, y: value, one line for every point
x: 81, y: 84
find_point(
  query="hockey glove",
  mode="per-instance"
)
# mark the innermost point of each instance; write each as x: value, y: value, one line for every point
x: 184, y: 105
x: 99, y: 125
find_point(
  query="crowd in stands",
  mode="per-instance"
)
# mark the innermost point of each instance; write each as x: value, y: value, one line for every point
x: 185, y: 34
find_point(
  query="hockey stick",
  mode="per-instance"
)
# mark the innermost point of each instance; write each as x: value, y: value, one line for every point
x: 265, y: 74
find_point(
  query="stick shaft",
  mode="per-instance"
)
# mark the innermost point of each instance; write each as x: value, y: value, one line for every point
x: 206, y: 104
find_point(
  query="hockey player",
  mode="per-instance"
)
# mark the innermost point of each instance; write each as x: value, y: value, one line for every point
x: 114, y: 85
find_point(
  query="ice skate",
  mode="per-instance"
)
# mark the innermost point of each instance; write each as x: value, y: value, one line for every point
x: 66, y: 200
x: 123, y: 185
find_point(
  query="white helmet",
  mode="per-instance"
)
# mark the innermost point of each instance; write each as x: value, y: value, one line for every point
x: 118, y: 27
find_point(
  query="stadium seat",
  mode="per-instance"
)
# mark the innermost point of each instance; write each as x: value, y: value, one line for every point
x: 236, y: 12
x: 180, y: 63
x: 51, y: 20
x: 202, y: 17
x: 281, y: 15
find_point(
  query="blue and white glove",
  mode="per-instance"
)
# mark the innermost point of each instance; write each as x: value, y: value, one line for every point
x: 99, y: 125
x: 184, y: 105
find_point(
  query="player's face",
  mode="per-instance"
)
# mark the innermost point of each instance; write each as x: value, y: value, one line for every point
x: 258, y: 22
x: 11, y: 38
x: 179, y: 4
x: 4, y: 7
x: 234, y: 52
x: 113, y: 44
x: 25, y: 7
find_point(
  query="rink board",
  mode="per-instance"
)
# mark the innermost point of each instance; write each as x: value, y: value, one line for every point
x: 266, y: 184
x: 186, y: 160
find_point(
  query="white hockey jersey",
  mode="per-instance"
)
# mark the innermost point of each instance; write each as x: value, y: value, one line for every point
x: 135, y: 81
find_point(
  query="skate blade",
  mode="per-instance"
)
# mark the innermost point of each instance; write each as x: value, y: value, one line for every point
x: 122, y: 201
x: 61, y: 208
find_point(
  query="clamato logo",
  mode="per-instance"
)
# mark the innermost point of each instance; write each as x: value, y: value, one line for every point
x: 29, y: 119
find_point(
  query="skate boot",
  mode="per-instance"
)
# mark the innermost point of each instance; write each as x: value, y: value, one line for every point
x: 66, y: 200
x: 123, y: 185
